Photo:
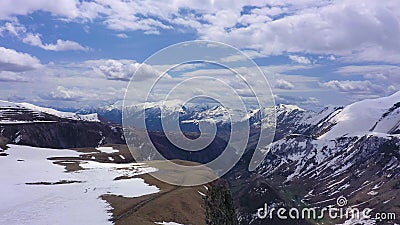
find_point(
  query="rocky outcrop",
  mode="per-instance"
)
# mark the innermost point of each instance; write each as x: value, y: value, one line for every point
x: 3, y: 142
x: 62, y: 134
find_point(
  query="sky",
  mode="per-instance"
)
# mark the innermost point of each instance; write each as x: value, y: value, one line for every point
x: 71, y: 54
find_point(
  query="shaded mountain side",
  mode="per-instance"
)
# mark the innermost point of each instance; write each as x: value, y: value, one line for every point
x: 3, y: 142
x: 27, y: 124
x: 144, y: 150
x: 363, y: 169
x: 303, y: 171
x: 170, y: 151
x: 251, y: 192
x: 219, y: 205
x: 65, y: 134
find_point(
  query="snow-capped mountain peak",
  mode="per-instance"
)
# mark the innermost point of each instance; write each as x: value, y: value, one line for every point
x: 11, y: 112
x: 66, y: 115
x: 289, y: 107
x: 380, y: 115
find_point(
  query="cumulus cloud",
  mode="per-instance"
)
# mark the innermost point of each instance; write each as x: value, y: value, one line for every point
x: 122, y: 35
x: 7, y: 76
x: 62, y: 93
x: 304, y: 26
x: 118, y: 70
x: 385, y: 76
x: 123, y: 70
x: 89, y: 94
x: 12, y: 28
x: 310, y: 102
x: 16, y: 29
x: 11, y: 60
x: 345, y: 28
x: 350, y: 29
x: 380, y: 73
x: 242, y: 57
x: 60, y: 45
x: 64, y: 8
x: 364, y: 87
x: 283, y: 84
x: 299, y: 59
x: 360, y: 30
x: 69, y: 85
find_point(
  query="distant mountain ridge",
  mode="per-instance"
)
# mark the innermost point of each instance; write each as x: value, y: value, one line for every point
x: 27, y: 124
x: 9, y: 112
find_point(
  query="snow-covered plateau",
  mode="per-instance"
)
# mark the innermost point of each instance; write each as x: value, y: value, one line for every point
x: 37, y: 190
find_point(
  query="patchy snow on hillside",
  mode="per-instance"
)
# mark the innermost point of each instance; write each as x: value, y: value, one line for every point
x: 37, y: 191
x: 14, y: 122
x: 108, y: 150
x: 168, y: 223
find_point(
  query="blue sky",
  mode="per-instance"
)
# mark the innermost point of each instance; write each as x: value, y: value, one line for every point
x: 72, y: 54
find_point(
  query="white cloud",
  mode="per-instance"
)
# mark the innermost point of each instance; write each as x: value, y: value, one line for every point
x: 379, y: 73
x: 283, y: 84
x: 61, y: 85
x: 11, y: 60
x: 64, y: 8
x: 342, y: 27
x: 364, y: 87
x: 7, y: 76
x: 118, y: 70
x: 285, y: 68
x: 60, y: 45
x: 299, y: 59
x: 332, y: 58
x: 64, y: 45
x: 122, y: 35
x: 123, y: 70
x: 304, y: 102
x: 385, y: 76
x: 359, y: 30
x: 62, y: 93
x: 350, y: 29
x: 243, y: 57
x: 12, y: 28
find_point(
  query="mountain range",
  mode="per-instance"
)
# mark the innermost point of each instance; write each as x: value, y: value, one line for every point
x: 315, y: 157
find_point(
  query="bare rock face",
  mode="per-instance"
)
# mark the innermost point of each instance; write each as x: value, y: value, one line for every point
x: 63, y: 134
x: 3, y: 142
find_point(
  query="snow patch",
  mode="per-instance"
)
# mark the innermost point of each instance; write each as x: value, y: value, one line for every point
x: 75, y: 203
x: 168, y: 223
x: 107, y: 150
